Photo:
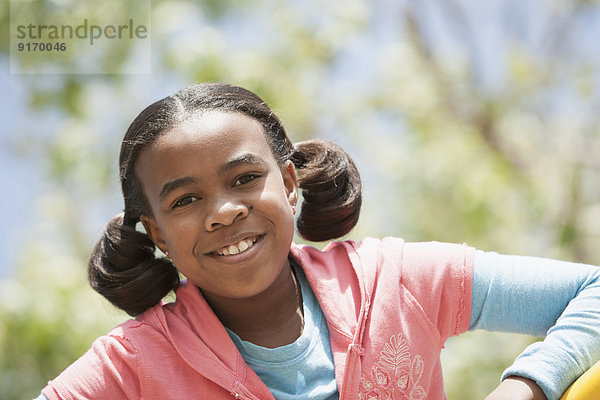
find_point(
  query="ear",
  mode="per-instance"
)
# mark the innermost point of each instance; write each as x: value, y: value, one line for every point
x: 290, y: 182
x: 154, y: 232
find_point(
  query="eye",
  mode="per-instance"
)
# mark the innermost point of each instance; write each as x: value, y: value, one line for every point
x: 184, y: 201
x: 244, y: 179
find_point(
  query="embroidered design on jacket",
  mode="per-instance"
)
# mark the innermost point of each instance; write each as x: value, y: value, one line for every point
x: 395, y: 376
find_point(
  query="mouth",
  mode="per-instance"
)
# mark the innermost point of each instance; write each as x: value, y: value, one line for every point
x: 238, y: 247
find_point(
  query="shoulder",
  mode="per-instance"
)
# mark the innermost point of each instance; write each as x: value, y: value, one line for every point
x: 394, y: 250
x: 349, y: 260
x: 367, y: 253
x: 340, y: 249
x: 127, y: 333
x: 424, y: 255
x: 110, y: 366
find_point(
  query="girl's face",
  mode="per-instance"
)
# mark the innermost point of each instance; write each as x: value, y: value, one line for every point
x: 221, y: 204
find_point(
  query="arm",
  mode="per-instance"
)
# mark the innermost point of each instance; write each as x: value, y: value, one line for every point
x: 515, y: 387
x: 540, y: 297
x: 108, y: 370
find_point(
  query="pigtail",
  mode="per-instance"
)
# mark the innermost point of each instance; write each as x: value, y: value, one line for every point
x: 124, y: 269
x: 331, y: 190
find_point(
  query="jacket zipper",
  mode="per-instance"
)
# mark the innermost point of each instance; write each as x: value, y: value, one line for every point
x: 355, y: 350
x: 241, y: 392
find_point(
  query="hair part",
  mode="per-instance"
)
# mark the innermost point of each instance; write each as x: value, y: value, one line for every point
x: 123, y: 267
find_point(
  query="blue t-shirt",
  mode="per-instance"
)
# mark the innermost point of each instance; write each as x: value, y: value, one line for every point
x: 300, y: 370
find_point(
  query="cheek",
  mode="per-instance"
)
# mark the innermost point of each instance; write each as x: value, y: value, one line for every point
x: 180, y: 232
x: 285, y: 220
x: 277, y: 203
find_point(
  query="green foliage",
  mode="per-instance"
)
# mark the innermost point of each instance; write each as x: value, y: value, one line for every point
x: 443, y: 157
x: 49, y: 319
x: 473, y: 362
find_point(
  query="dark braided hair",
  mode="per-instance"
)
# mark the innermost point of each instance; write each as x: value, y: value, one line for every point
x: 123, y: 267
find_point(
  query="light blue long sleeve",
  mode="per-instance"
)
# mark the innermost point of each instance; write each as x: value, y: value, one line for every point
x: 541, y: 297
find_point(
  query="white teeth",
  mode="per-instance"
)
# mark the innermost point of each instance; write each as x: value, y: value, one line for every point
x: 243, y: 245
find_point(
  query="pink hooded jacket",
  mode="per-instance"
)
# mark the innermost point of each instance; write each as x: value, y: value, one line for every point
x: 389, y: 306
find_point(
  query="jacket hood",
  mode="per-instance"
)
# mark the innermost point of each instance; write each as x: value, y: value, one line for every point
x: 343, y: 297
x: 200, y: 339
x: 344, y: 289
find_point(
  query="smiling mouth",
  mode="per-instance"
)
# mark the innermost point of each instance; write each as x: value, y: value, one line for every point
x: 239, y: 247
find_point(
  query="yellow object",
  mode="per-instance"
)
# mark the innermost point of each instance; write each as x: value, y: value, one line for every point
x: 587, y: 387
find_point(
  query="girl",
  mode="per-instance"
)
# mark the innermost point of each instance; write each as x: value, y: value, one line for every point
x: 213, y: 178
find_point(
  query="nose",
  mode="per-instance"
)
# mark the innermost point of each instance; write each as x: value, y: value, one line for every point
x: 223, y: 213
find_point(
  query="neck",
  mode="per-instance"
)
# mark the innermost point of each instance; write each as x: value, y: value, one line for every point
x: 270, y: 319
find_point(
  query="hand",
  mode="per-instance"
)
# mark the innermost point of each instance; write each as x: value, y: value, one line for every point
x: 517, y: 388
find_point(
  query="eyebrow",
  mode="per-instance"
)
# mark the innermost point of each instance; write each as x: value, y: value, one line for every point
x: 242, y: 159
x: 175, y: 184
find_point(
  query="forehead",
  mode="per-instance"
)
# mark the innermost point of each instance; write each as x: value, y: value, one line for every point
x: 199, y: 145
x: 213, y: 127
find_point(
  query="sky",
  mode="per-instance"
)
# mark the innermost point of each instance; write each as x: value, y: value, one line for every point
x: 20, y: 176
